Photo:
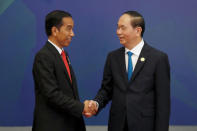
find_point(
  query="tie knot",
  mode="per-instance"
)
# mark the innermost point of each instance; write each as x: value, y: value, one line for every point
x: 63, y: 53
x: 129, y: 53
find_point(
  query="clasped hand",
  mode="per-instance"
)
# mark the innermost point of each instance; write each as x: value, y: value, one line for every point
x: 90, y: 108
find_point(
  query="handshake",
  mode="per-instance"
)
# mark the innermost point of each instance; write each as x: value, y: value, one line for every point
x: 90, y: 108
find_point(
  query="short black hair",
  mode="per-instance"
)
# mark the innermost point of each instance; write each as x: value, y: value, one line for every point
x: 54, y: 18
x: 138, y: 20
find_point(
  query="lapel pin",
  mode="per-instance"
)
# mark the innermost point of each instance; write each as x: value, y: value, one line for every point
x: 68, y: 60
x: 142, y: 59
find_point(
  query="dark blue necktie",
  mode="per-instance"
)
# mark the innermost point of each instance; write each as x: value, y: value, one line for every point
x: 130, y: 66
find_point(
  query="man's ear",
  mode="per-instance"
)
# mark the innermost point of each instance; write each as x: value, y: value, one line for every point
x: 54, y: 31
x: 138, y: 31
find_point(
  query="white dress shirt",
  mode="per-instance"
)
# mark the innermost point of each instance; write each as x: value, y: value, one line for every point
x: 136, y: 53
x: 58, y: 49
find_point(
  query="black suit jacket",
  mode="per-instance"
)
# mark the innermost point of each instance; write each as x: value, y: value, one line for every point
x: 144, y: 101
x: 57, y: 105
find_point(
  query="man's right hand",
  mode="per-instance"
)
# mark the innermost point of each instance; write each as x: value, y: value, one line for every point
x: 90, y: 108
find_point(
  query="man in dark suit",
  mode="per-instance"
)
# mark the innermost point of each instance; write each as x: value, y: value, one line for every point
x: 137, y: 80
x: 57, y: 104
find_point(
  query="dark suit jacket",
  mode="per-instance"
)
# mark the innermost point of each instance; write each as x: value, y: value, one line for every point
x: 57, y: 105
x: 144, y: 101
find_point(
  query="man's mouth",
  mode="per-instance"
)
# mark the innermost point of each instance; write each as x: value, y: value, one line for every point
x: 121, y: 38
x: 69, y: 39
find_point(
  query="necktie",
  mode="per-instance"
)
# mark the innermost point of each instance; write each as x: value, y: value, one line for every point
x: 130, y: 66
x: 66, y: 64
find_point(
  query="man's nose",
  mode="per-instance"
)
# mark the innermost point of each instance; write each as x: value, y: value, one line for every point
x: 72, y: 33
x: 118, y: 32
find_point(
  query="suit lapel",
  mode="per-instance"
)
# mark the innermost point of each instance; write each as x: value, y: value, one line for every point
x: 65, y: 70
x: 121, y: 61
x: 141, y: 61
x: 74, y: 83
x: 59, y: 60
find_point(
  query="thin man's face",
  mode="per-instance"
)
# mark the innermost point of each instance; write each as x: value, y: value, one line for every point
x: 65, y: 34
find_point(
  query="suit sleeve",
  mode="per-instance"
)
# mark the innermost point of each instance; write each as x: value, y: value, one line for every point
x: 104, y: 94
x: 44, y: 76
x: 162, y: 82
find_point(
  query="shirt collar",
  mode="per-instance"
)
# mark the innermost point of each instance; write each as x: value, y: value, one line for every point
x: 58, y: 49
x: 137, y: 49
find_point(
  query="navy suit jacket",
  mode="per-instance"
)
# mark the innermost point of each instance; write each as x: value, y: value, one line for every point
x: 143, y: 101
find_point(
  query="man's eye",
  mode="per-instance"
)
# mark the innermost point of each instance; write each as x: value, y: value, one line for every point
x: 123, y: 28
x: 69, y: 28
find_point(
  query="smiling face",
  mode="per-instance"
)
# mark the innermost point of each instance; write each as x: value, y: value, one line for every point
x: 127, y: 34
x: 64, y: 34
